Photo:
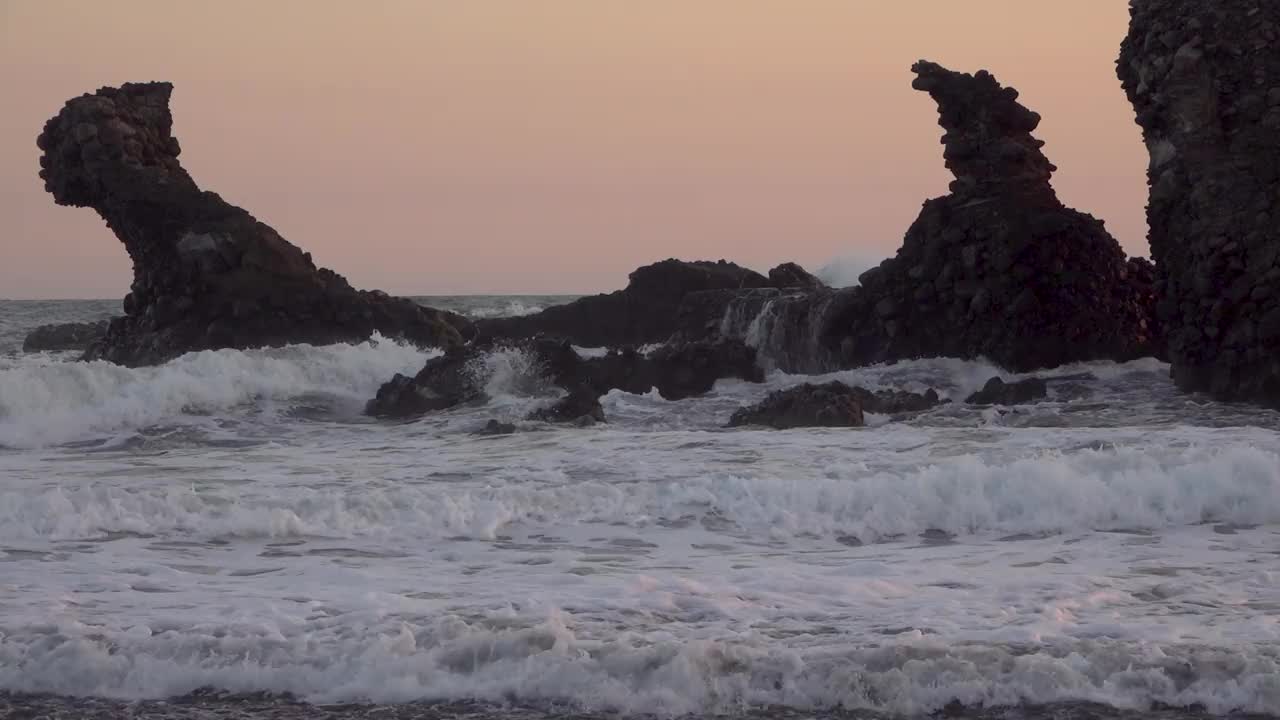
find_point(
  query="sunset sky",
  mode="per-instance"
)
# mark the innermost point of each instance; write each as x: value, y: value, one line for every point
x: 474, y: 146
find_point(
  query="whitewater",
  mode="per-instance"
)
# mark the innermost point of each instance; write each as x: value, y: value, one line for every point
x: 228, y: 532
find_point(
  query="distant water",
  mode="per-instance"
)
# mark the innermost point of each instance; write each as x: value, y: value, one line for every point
x: 226, y: 536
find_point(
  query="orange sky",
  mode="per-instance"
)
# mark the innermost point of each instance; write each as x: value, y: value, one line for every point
x: 444, y: 146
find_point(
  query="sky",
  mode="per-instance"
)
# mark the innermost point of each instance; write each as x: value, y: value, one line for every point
x: 508, y: 146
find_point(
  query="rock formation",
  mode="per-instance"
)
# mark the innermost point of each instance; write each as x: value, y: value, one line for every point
x: 832, y: 404
x: 207, y: 274
x: 65, y: 337
x: 647, y: 309
x: 460, y: 375
x: 999, y: 267
x: 1204, y: 80
x: 999, y: 392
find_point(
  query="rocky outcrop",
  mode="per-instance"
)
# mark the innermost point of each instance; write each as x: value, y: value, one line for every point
x: 832, y: 404
x: 791, y: 275
x: 999, y: 267
x: 65, y: 337
x: 207, y: 274
x: 580, y: 407
x: 1204, y: 80
x: 642, y: 313
x: 460, y: 376
x: 999, y: 392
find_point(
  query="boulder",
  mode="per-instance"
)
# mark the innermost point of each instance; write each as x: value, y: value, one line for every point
x: 65, y: 337
x: 832, y: 404
x: 580, y: 407
x: 207, y: 274
x: 999, y: 392
x: 642, y: 313
x: 681, y: 371
x: 1204, y: 81
x: 791, y: 275
x: 999, y: 268
x: 444, y: 382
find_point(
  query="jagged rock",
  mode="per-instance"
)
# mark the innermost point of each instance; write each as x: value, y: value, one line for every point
x: 998, y: 268
x: 445, y: 381
x: 999, y: 392
x: 832, y: 404
x: 64, y: 336
x: 459, y: 376
x: 1204, y: 80
x: 791, y: 275
x: 494, y: 427
x: 580, y: 407
x: 642, y: 313
x: 207, y: 274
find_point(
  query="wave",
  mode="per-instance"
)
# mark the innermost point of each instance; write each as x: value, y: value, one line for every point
x: 391, y: 658
x: 1120, y: 489
x: 45, y: 402
x: 509, y: 308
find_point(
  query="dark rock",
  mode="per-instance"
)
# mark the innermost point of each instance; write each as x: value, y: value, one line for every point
x: 493, y: 427
x: 832, y: 404
x: 580, y: 407
x: 998, y: 392
x: 64, y: 336
x: 999, y: 268
x: 791, y: 275
x: 459, y: 376
x: 445, y: 381
x: 681, y: 371
x: 1202, y: 78
x: 642, y: 313
x: 207, y: 274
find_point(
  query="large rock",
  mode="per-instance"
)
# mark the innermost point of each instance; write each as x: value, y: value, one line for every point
x: 1204, y: 79
x: 999, y: 392
x: 65, y: 337
x: 999, y: 267
x: 207, y: 274
x: 644, y: 312
x: 832, y: 404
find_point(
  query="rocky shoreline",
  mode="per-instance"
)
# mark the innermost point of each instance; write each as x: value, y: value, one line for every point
x: 998, y: 268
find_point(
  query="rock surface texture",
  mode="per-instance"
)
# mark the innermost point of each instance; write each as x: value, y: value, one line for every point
x: 999, y: 392
x: 207, y: 274
x: 999, y: 267
x: 1204, y: 80
x: 65, y: 336
x: 832, y: 404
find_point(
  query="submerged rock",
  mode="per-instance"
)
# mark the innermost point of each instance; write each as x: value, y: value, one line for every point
x: 999, y: 267
x: 64, y: 337
x: 494, y: 427
x: 1204, y: 80
x: 207, y: 274
x: 580, y: 407
x: 832, y: 404
x: 999, y: 392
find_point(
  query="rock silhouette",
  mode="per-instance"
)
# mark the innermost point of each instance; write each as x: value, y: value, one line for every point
x: 1204, y: 80
x: 207, y: 274
x: 999, y: 267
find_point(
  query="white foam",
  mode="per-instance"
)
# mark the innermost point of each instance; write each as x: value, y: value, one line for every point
x: 43, y: 402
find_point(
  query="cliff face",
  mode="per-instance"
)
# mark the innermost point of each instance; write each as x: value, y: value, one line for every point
x: 207, y: 274
x: 1204, y: 80
x: 999, y: 267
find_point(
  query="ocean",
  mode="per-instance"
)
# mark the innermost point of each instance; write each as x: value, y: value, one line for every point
x: 227, y: 536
